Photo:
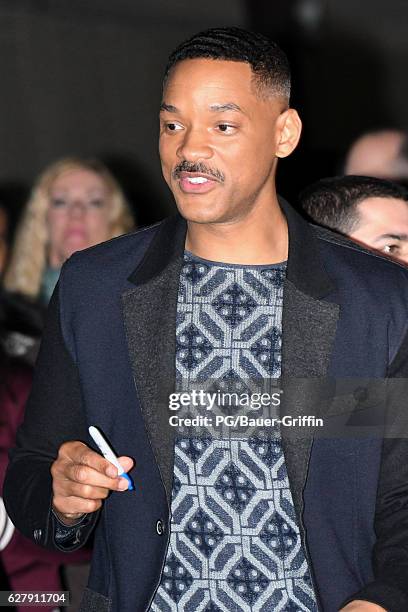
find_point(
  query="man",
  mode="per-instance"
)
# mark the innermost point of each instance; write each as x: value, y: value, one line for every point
x: 381, y: 153
x: 371, y: 211
x: 212, y: 523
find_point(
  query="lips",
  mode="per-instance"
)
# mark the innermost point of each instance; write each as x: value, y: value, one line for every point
x: 75, y: 235
x: 193, y: 182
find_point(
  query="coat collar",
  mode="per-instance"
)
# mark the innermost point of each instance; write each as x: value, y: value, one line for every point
x: 305, y: 267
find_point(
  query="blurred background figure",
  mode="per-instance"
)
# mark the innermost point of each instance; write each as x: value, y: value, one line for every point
x: 371, y: 211
x: 382, y: 153
x: 75, y: 204
x: 4, y: 237
x: 25, y: 566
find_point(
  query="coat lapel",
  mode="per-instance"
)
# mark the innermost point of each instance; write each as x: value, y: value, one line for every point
x: 309, y: 326
x: 149, y: 312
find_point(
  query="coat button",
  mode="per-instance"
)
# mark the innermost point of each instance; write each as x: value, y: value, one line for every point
x: 159, y: 527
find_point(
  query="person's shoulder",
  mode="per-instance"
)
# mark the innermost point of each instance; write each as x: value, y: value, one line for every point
x: 126, y: 245
x: 104, y: 269
x: 117, y: 257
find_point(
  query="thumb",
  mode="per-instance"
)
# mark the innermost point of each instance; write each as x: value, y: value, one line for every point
x: 126, y: 462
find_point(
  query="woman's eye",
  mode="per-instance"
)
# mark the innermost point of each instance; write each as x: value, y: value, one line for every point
x: 58, y: 202
x: 96, y: 203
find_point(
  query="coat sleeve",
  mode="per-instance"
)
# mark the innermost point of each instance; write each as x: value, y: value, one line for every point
x: 54, y: 415
x: 390, y: 556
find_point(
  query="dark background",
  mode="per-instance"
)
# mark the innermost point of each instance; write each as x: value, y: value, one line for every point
x: 84, y: 77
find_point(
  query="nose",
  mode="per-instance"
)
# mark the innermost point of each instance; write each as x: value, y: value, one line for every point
x: 194, y: 145
x: 78, y: 208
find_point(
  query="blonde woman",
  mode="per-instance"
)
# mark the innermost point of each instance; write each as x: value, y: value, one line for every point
x: 75, y: 203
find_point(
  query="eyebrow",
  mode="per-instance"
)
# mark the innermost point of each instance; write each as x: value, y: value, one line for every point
x: 169, y: 108
x: 229, y: 106
x: 63, y: 191
x: 402, y: 237
x: 217, y: 108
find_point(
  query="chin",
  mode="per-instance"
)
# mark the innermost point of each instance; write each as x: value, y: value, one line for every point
x: 198, y: 211
x: 77, y: 246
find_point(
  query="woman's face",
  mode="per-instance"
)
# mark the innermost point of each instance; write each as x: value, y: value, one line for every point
x: 78, y: 215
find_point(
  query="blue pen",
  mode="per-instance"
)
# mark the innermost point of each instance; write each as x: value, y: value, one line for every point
x: 108, y: 453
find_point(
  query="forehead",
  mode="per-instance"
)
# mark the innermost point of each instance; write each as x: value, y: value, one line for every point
x: 196, y: 79
x: 384, y: 211
x: 78, y: 177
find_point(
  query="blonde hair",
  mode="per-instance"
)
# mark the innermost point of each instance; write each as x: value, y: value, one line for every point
x: 29, y: 255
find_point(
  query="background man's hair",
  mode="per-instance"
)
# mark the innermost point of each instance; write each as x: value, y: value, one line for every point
x: 268, y: 62
x: 332, y: 202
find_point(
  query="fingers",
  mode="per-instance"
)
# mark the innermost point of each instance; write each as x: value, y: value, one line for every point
x: 83, y: 474
x: 79, y: 454
x: 126, y: 462
x: 86, y: 491
x: 82, y: 479
x: 75, y: 507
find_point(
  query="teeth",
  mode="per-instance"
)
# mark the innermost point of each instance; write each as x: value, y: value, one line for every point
x: 197, y: 179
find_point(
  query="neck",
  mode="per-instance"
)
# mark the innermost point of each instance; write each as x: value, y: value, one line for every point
x: 259, y: 238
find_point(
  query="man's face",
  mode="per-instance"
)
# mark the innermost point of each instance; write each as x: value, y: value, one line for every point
x: 218, y: 140
x: 384, y: 226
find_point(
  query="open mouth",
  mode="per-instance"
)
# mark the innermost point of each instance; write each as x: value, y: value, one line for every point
x: 197, y: 180
x: 196, y: 183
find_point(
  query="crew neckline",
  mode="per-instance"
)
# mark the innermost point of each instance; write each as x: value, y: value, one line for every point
x: 280, y: 264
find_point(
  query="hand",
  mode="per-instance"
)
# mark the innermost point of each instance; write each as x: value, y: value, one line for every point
x: 358, y: 605
x: 82, y: 479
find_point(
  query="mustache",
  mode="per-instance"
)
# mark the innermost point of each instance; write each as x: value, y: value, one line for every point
x: 198, y: 167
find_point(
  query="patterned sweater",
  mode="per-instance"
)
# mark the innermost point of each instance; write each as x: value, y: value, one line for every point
x: 234, y: 541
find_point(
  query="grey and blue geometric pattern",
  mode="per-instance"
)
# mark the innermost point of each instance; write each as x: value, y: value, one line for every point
x: 234, y: 540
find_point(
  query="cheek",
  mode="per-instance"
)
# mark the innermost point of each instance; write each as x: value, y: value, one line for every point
x: 99, y: 227
x: 248, y: 158
x: 167, y: 152
x: 56, y: 227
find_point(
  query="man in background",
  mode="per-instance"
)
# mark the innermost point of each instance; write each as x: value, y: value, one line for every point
x: 371, y: 211
x: 381, y: 153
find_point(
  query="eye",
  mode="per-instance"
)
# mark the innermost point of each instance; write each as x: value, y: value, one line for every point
x: 58, y: 202
x: 96, y: 203
x: 173, y: 127
x: 226, y: 128
x: 391, y: 248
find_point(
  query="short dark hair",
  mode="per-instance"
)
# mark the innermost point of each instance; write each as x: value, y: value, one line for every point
x: 332, y: 202
x: 268, y: 62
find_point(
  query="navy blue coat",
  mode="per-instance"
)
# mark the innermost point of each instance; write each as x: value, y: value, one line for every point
x: 108, y: 359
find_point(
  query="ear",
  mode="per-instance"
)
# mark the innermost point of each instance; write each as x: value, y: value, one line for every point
x: 288, y: 130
